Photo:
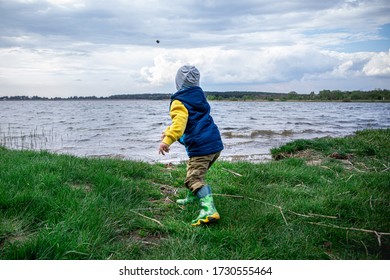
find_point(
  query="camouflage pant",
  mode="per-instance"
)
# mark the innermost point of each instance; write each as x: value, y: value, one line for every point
x: 196, y: 170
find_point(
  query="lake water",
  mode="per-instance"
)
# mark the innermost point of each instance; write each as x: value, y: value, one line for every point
x: 131, y: 129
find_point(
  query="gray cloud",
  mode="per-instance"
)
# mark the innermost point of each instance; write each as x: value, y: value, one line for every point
x: 245, y: 43
x: 177, y: 22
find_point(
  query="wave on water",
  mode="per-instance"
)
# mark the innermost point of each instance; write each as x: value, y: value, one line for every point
x: 257, y: 133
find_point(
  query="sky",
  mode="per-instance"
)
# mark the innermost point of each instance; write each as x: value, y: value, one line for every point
x: 63, y: 48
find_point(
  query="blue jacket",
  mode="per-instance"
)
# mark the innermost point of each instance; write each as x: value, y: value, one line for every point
x: 201, y: 136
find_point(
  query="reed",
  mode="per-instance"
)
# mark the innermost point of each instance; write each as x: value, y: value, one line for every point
x: 22, y: 139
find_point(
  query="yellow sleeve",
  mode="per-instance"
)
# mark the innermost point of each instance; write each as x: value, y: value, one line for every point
x: 179, y: 116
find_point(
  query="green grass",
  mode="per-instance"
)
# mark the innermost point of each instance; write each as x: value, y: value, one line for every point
x: 315, y: 202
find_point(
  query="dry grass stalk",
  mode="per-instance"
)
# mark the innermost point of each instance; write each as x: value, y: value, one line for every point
x: 228, y: 195
x: 232, y: 172
x: 349, y: 178
x: 372, y: 208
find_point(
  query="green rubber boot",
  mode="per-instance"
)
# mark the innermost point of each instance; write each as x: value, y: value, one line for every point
x: 208, y: 213
x: 190, y: 198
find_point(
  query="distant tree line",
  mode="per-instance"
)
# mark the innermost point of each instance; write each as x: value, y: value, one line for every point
x: 372, y: 95
x: 147, y: 96
x: 243, y: 95
x: 323, y: 95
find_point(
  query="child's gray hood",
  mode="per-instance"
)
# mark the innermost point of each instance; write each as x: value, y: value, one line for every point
x: 187, y: 76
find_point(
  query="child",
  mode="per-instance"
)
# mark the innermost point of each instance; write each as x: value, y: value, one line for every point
x: 193, y: 127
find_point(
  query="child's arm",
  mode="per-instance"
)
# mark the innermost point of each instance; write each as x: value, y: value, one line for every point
x: 179, y: 116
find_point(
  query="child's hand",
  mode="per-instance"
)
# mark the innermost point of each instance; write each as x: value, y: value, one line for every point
x: 164, y: 148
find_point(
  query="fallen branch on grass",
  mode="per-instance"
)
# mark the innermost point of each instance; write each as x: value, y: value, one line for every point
x: 322, y: 216
x: 276, y: 206
x: 146, y: 217
x: 243, y: 197
x: 311, y: 215
x: 298, y: 214
x: 378, y: 234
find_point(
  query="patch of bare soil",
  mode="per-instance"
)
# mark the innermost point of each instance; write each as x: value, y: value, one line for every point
x: 312, y: 157
x: 13, y: 239
x: 167, y: 191
x: 84, y: 187
x: 140, y: 236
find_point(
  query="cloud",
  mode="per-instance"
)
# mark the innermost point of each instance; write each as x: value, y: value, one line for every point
x: 379, y: 65
x: 269, y: 65
x: 186, y: 23
x: 72, y: 47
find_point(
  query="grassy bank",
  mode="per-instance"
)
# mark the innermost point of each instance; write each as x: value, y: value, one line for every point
x: 319, y: 199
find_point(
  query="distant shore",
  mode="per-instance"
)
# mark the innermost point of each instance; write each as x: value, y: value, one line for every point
x: 377, y: 95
